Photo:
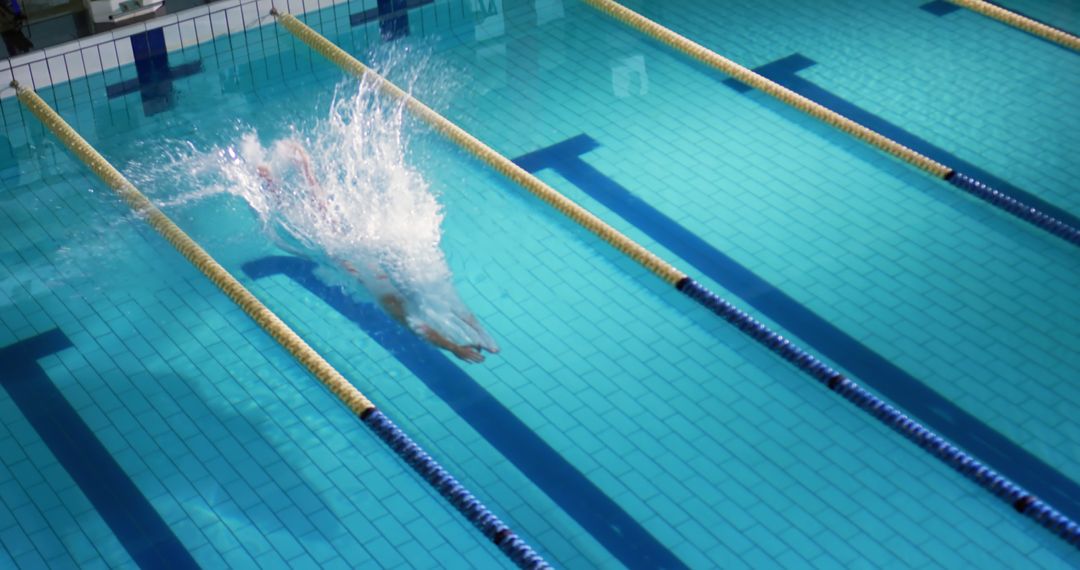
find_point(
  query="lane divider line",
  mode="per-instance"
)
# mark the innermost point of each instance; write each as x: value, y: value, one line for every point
x: 959, y: 180
x: 786, y: 72
x: 427, y: 467
x: 625, y: 537
x: 829, y: 342
x: 1021, y: 22
x: 1021, y: 500
x: 500, y: 163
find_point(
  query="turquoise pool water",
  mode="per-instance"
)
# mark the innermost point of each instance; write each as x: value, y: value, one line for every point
x: 709, y: 445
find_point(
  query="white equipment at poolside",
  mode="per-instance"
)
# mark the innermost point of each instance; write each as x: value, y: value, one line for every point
x: 117, y: 11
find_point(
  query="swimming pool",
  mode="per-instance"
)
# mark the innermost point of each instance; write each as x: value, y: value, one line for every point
x: 619, y: 403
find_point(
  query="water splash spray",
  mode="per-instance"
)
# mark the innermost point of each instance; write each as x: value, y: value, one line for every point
x: 344, y: 194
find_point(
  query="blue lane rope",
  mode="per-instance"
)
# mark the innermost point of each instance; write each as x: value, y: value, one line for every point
x: 1026, y: 502
x: 461, y: 498
x: 790, y: 97
x: 1013, y: 206
x: 468, y: 505
x: 1020, y: 499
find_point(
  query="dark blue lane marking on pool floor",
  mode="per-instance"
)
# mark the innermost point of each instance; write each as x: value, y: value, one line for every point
x: 155, y: 76
x: 393, y: 16
x: 785, y: 71
x: 875, y: 371
x: 620, y: 534
x: 940, y: 7
x: 943, y: 8
x: 148, y: 540
x: 393, y: 19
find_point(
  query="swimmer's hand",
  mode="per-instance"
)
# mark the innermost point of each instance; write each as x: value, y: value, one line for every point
x: 467, y: 353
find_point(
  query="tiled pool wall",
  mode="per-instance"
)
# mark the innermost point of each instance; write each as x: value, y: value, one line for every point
x: 147, y: 42
x: 146, y: 58
x: 121, y: 47
x: 87, y: 80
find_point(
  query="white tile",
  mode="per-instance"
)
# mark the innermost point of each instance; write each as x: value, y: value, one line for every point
x: 252, y: 15
x: 223, y: 5
x: 218, y: 24
x: 75, y: 66
x: 172, y: 37
x: 123, y: 51
x: 295, y: 7
x: 162, y: 21
x: 57, y: 70
x: 234, y: 19
x: 188, y: 35
x: 202, y: 29
x: 91, y: 60
x: 6, y: 90
x: 192, y: 13
x: 39, y: 74
x: 263, y: 7
x: 108, y: 56
x: 61, y: 49
x: 27, y: 58
x: 197, y: 11
x: 96, y: 39
x: 129, y: 30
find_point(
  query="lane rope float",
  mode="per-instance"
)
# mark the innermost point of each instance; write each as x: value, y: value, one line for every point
x: 500, y: 163
x: 489, y: 524
x: 1021, y: 500
x: 959, y: 180
x: 1021, y: 22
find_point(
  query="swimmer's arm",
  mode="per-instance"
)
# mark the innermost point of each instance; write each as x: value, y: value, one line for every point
x: 466, y: 353
x: 396, y: 308
x: 304, y: 161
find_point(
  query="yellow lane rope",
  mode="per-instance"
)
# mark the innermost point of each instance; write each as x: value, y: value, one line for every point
x: 500, y: 163
x: 460, y: 498
x: 717, y: 61
x: 319, y: 367
x: 1022, y: 22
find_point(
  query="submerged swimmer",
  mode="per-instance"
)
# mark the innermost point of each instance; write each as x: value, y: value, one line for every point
x: 402, y: 307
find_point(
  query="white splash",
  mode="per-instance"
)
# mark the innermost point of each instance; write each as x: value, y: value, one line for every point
x: 344, y: 195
